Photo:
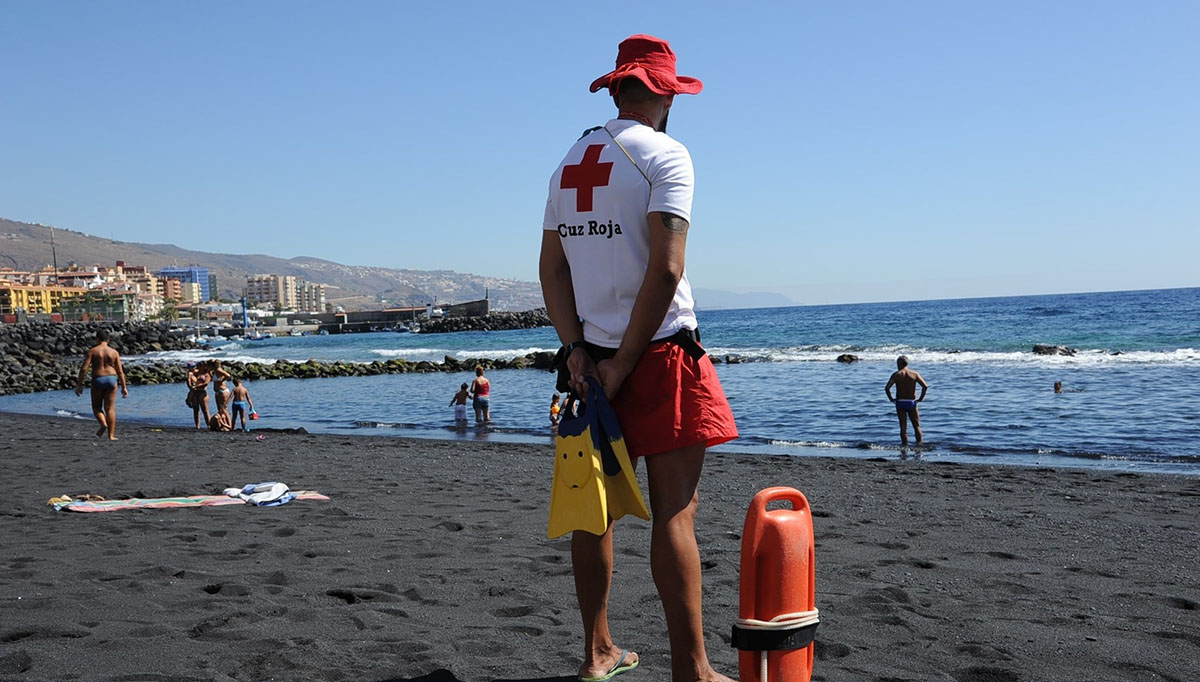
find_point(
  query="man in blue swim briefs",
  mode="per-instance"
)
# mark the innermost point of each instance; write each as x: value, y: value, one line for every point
x: 106, y: 373
x: 905, y: 380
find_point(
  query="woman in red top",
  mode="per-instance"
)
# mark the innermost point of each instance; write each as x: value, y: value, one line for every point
x: 481, y: 390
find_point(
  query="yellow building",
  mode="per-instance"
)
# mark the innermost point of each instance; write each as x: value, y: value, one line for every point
x: 34, y: 299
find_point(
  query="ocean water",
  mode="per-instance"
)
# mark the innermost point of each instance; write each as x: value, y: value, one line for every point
x: 1130, y: 399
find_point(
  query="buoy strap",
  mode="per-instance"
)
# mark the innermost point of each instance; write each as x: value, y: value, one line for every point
x: 786, y: 631
x: 782, y: 621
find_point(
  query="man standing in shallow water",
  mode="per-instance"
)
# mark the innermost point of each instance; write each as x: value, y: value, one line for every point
x: 106, y: 372
x: 612, y: 274
x: 905, y: 380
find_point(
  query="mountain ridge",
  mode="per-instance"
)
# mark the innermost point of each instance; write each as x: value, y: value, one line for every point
x: 27, y: 246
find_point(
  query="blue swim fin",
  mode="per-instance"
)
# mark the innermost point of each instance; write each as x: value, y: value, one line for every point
x: 620, y: 482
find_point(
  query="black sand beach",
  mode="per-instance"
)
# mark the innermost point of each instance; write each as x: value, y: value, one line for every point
x: 430, y: 563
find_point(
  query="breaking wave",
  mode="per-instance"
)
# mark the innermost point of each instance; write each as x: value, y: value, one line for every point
x: 1083, y: 357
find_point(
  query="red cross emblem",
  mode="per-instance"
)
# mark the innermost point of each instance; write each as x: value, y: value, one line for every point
x: 586, y: 176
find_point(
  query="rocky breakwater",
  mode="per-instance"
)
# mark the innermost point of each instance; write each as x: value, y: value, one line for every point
x: 46, y: 356
x: 163, y: 373
x: 490, y: 322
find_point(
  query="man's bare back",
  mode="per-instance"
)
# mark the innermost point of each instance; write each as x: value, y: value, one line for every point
x: 104, y: 360
x: 905, y: 381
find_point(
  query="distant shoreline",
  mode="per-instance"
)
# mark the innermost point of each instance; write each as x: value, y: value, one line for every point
x: 470, y: 433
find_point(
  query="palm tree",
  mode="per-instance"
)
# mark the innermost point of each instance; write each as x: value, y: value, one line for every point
x: 169, y: 312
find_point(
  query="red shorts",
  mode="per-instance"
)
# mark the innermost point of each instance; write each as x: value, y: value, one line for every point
x: 671, y: 401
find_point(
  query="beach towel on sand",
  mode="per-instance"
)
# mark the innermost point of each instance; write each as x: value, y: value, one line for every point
x: 65, y: 503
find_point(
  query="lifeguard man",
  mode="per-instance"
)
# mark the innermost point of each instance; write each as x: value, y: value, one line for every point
x: 613, y: 278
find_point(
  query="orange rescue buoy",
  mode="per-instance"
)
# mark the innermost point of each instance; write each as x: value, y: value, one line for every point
x: 777, y: 610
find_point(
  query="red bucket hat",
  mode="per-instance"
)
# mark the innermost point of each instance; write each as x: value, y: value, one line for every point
x: 651, y: 61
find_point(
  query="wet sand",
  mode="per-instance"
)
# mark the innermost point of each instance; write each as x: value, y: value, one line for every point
x: 430, y: 563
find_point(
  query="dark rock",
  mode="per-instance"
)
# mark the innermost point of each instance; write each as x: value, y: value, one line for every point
x: 847, y: 358
x: 1045, y: 349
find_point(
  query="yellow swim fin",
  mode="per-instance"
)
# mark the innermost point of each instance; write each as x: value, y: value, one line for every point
x: 577, y: 490
x: 593, y: 477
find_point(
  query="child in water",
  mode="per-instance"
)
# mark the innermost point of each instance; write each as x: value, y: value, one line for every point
x: 555, y: 409
x: 242, y: 405
x: 459, y: 401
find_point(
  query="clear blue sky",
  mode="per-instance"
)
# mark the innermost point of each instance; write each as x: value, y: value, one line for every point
x: 844, y: 152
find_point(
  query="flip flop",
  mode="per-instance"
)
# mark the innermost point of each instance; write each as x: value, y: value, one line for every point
x: 619, y: 667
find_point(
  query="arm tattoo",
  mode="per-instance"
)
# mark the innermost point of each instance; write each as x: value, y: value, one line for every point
x: 674, y: 223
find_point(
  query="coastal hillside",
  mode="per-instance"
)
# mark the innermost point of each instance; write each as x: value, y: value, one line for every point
x: 26, y: 246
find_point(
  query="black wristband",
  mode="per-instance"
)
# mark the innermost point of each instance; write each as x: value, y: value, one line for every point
x: 570, y: 348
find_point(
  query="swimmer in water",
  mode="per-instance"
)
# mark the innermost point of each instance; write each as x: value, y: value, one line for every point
x: 905, y: 380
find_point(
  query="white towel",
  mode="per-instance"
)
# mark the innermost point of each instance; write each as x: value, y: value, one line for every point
x: 259, y: 493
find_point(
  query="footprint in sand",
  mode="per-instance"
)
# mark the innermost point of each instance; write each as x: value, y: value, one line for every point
x: 985, y: 674
x: 527, y: 630
x: 227, y: 589
x: 16, y: 662
x: 514, y: 611
x: 1181, y: 603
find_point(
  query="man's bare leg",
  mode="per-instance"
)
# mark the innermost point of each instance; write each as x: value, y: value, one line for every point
x: 903, y: 417
x: 98, y: 411
x: 110, y: 412
x: 675, y: 559
x: 592, y: 556
x: 916, y: 421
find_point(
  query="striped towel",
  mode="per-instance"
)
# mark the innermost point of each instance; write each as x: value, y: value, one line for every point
x: 166, y: 502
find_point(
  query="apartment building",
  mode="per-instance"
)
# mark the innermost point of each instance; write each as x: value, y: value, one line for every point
x: 277, y: 290
x: 34, y: 298
x: 116, y: 305
x: 191, y: 293
x: 310, y: 297
x: 193, y: 274
x: 172, y: 289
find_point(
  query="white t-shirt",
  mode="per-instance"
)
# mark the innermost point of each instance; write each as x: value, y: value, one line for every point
x: 598, y: 204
